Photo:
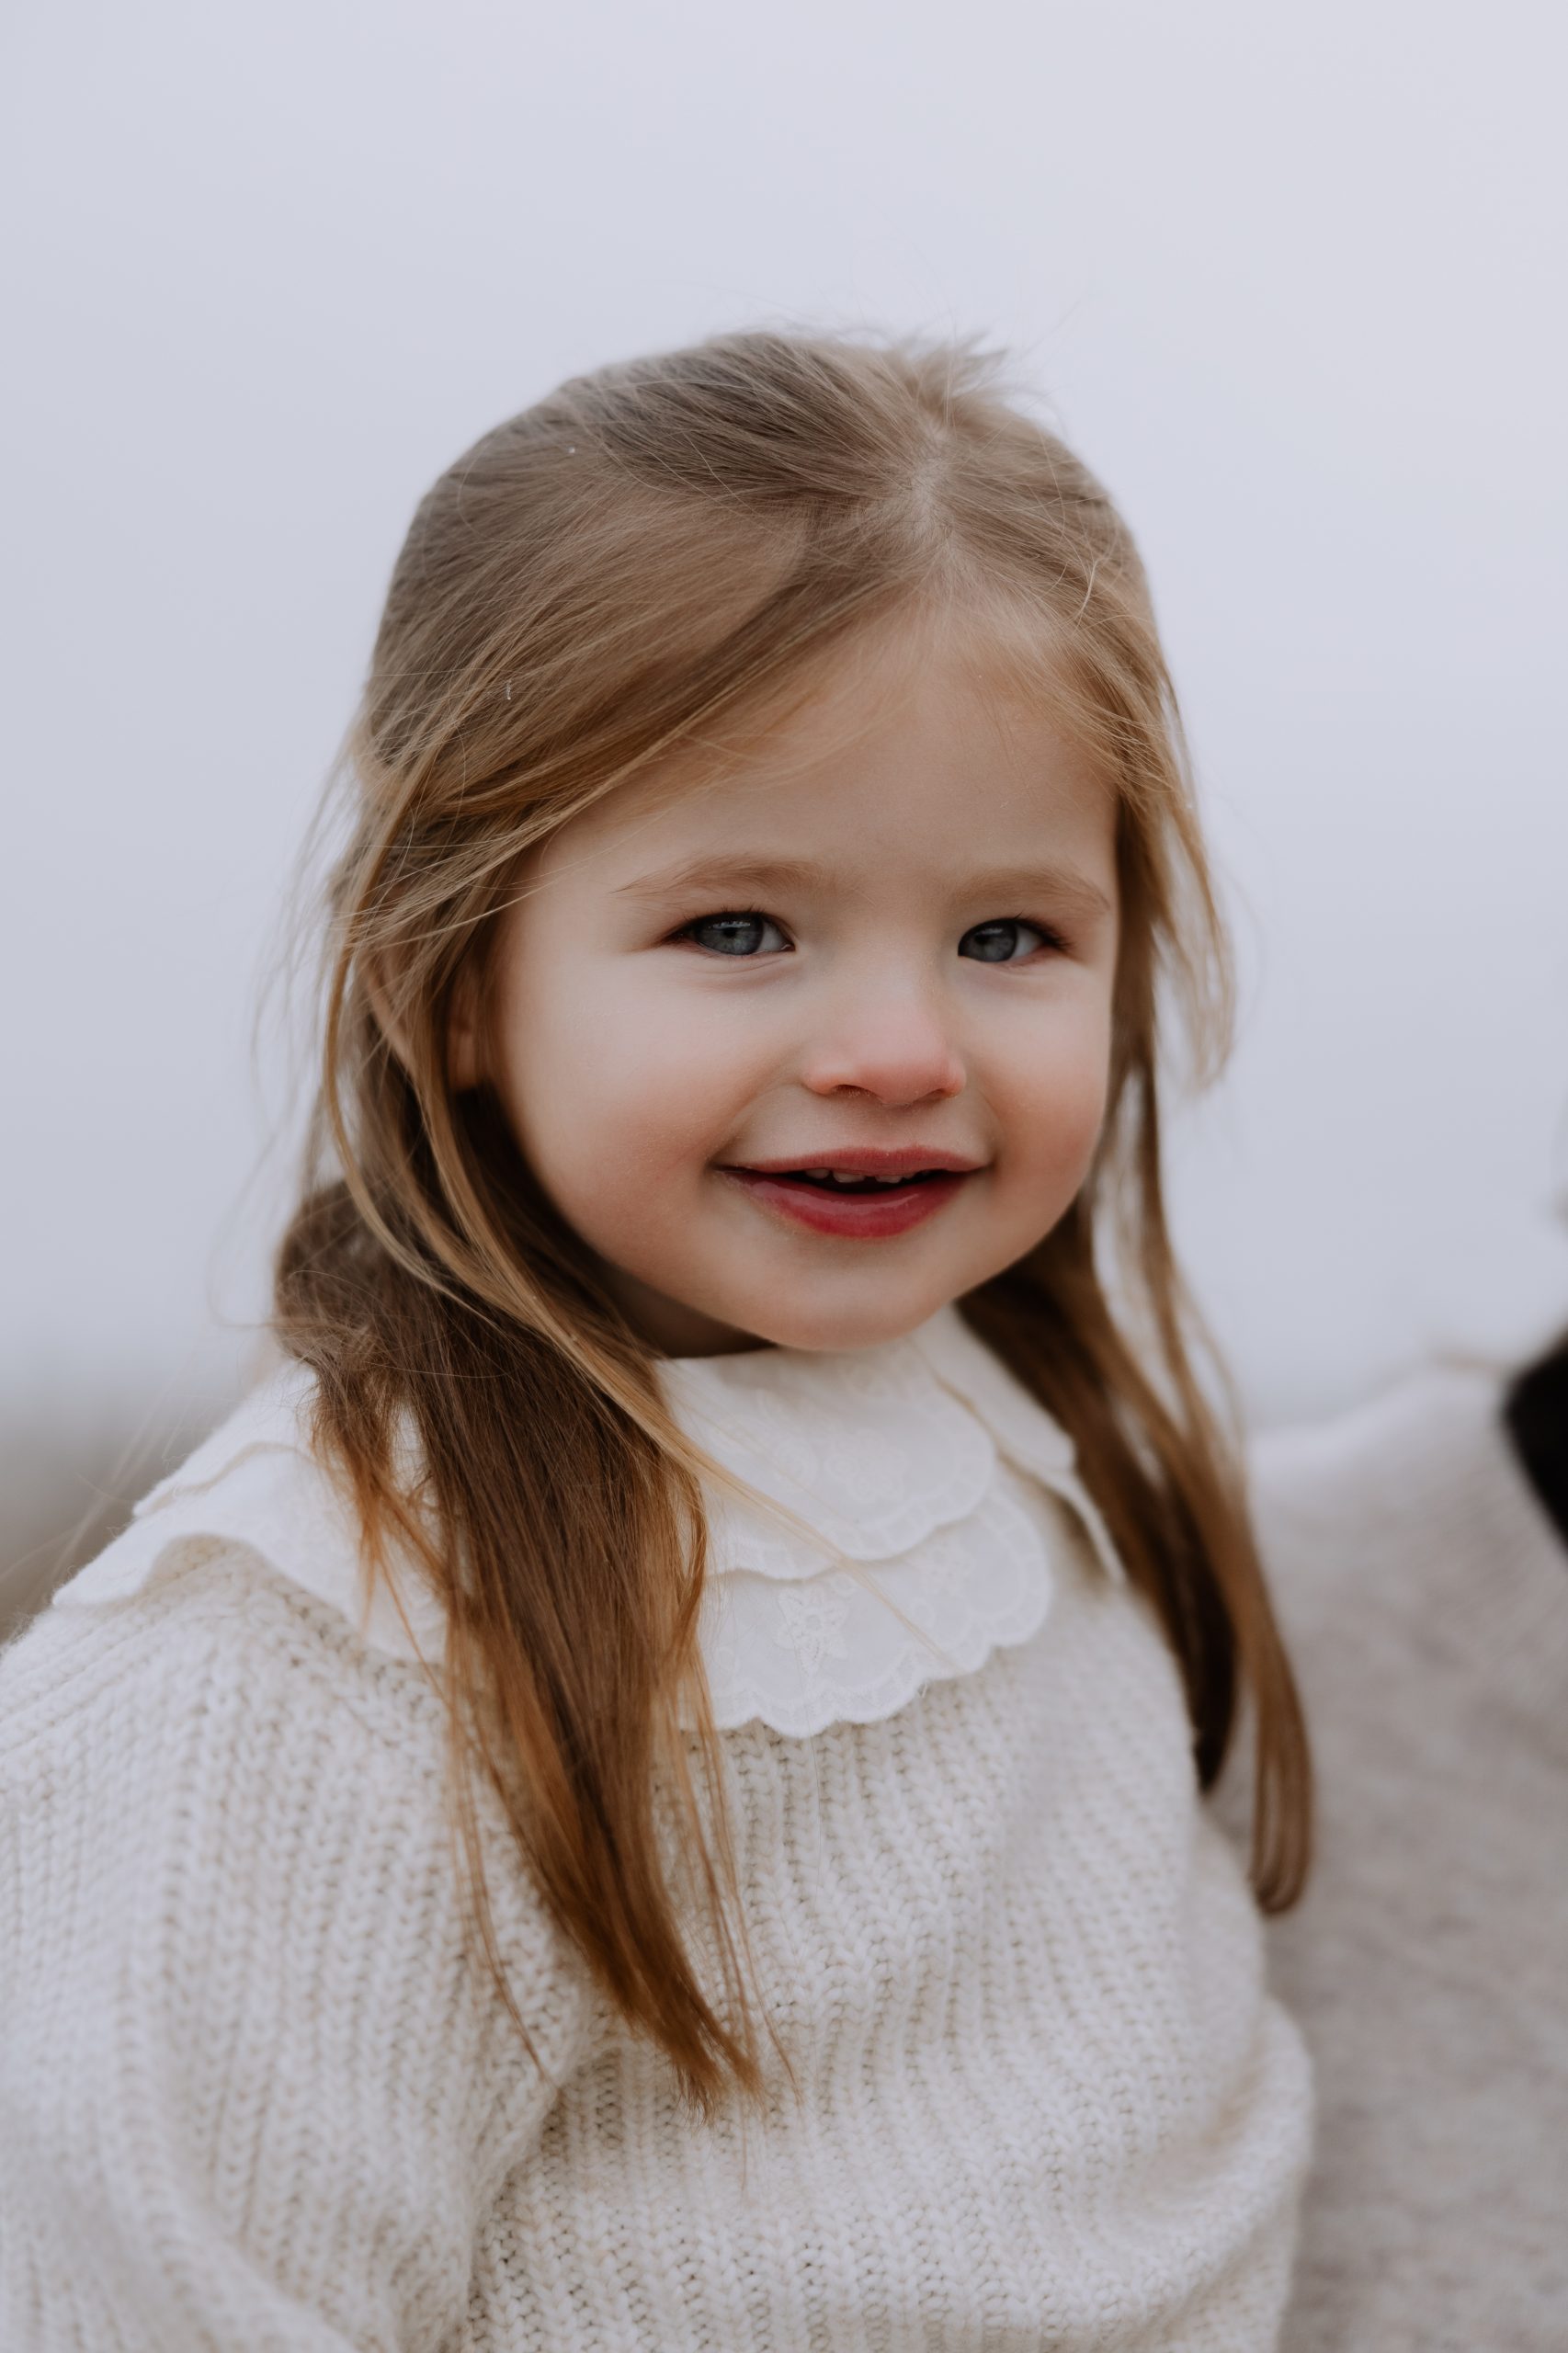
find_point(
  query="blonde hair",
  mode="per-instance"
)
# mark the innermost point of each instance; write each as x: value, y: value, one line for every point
x: 655, y: 552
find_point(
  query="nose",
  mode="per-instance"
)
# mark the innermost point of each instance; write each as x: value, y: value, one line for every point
x: 896, y: 1046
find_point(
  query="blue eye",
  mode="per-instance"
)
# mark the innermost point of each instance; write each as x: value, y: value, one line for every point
x: 736, y: 934
x: 997, y: 942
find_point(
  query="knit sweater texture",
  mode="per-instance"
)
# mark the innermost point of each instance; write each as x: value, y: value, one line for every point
x: 257, y: 2090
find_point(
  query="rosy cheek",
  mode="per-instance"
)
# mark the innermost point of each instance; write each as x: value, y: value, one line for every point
x: 630, y: 1090
x: 1060, y: 1112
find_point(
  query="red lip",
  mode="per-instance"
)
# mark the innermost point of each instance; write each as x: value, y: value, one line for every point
x: 866, y: 1160
x: 859, y: 1217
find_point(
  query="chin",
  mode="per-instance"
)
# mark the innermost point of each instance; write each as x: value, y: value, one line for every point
x: 832, y: 1325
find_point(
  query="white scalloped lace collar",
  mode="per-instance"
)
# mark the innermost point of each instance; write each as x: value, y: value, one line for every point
x: 928, y: 1478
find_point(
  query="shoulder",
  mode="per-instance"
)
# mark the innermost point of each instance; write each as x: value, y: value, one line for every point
x: 256, y: 1485
x: 220, y: 1762
x: 247, y: 2023
x: 217, y: 1644
x: 218, y: 1616
x: 207, y: 1741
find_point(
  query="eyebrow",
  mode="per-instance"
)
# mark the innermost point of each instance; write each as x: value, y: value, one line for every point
x: 1063, y: 884
x: 722, y: 873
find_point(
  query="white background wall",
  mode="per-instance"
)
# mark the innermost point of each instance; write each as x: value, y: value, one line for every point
x: 1292, y: 280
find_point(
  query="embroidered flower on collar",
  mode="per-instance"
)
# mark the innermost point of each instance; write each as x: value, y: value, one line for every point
x: 931, y: 1483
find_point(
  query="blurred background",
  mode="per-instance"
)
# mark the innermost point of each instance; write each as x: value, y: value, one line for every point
x: 1291, y: 280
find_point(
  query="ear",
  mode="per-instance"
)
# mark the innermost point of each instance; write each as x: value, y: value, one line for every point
x: 465, y: 1050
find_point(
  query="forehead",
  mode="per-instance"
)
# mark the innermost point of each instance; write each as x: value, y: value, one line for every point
x: 910, y: 757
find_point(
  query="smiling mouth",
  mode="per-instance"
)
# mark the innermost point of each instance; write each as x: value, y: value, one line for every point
x: 836, y: 1180
x: 857, y: 1204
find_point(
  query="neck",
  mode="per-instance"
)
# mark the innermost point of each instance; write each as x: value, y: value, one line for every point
x: 671, y: 1328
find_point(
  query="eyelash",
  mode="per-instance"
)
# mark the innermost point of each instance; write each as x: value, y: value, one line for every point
x: 1050, y: 938
x: 749, y: 915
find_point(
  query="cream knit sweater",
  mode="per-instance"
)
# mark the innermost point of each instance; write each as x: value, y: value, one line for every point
x: 255, y: 2092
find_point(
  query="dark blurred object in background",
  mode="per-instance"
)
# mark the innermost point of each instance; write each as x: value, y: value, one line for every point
x: 1535, y: 1414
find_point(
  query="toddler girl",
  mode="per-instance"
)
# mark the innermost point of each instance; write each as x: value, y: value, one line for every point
x: 646, y: 1790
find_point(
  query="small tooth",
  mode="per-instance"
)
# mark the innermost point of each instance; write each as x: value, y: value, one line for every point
x: 847, y: 1176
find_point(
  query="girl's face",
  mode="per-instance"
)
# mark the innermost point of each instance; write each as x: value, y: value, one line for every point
x: 883, y: 943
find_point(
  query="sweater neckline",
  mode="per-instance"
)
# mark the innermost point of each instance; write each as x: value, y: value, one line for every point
x: 872, y: 1448
x: 932, y: 1497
